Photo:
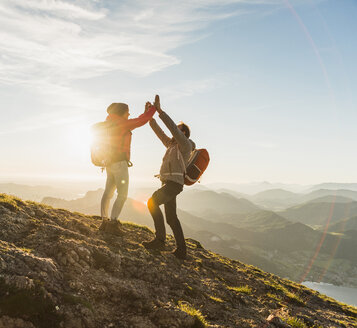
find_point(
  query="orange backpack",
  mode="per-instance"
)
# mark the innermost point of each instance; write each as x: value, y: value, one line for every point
x: 196, y: 165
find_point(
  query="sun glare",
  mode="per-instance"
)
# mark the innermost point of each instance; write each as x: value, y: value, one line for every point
x: 80, y: 138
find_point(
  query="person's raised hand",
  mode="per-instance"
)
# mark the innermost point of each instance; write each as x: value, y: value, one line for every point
x: 147, y: 106
x: 157, y: 104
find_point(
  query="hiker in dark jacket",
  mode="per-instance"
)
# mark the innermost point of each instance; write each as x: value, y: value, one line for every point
x: 117, y: 171
x: 172, y: 172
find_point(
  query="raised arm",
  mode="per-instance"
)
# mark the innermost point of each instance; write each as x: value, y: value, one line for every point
x: 160, y: 133
x: 179, y: 136
x: 141, y: 120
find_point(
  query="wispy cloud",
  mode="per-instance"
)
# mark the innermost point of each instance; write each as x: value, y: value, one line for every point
x: 62, y: 105
x: 45, y: 45
x: 59, y: 40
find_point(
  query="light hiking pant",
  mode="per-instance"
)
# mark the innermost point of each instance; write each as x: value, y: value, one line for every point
x: 117, y: 178
x: 167, y: 195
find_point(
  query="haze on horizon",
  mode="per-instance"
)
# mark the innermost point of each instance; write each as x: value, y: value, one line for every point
x: 266, y: 86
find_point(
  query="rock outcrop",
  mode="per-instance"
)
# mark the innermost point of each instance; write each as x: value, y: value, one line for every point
x: 58, y: 270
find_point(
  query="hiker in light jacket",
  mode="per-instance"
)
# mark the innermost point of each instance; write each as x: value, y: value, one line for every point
x: 172, y: 171
x: 117, y: 171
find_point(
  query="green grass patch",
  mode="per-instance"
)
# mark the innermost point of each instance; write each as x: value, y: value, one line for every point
x: 274, y: 297
x: 4, y: 247
x: 294, y: 298
x: 200, y: 321
x: 216, y: 299
x: 26, y: 250
x: 347, y: 309
x: 241, y: 289
x: 193, y: 243
x: 295, y: 322
x: 10, y: 202
x: 137, y: 226
x: 221, y: 259
x: 39, y: 205
x: 298, y: 323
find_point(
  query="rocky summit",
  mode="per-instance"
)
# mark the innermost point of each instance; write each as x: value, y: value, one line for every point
x: 58, y: 270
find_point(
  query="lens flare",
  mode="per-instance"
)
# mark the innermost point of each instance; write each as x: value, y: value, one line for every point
x: 322, y: 239
x: 313, y: 46
x: 334, y: 250
x: 79, y: 138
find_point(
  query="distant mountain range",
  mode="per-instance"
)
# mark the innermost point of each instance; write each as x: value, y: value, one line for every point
x: 37, y: 193
x: 253, y: 188
x: 89, y: 204
x: 344, y: 225
x: 275, y: 198
x: 320, y: 213
x: 257, y: 187
x: 212, y: 203
x: 278, y: 199
x: 330, y: 192
x: 334, y: 186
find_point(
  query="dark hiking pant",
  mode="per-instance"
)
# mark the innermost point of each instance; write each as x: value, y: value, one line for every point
x: 167, y: 195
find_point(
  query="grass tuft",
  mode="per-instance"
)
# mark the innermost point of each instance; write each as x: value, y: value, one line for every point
x: 137, y: 226
x: 200, y: 321
x: 295, y: 322
x: 295, y: 298
x: 241, y: 289
x: 280, y: 288
x: 274, y: 297
x: 216, y: 299
x: 10, y: 202
x: 347, y: 309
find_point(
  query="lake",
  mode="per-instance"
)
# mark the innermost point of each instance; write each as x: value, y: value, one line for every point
x: 346, y: 295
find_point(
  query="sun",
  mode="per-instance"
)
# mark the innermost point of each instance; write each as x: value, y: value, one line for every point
x: 79, y: 138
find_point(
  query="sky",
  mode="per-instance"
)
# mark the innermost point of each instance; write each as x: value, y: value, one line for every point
x: 267, y: 86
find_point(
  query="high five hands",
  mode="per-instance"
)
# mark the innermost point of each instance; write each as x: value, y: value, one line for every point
x: 156, y: 104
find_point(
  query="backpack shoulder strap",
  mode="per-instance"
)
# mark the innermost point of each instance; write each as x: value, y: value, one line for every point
x: 180, y: 158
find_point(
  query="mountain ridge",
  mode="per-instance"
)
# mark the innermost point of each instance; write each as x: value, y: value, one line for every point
x: 58, y: 270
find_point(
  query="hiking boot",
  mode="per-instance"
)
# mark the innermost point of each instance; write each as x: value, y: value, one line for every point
x: 180, y: 253
x: 104, y: 225
x: 154, y: 244
x: 113, y: 227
